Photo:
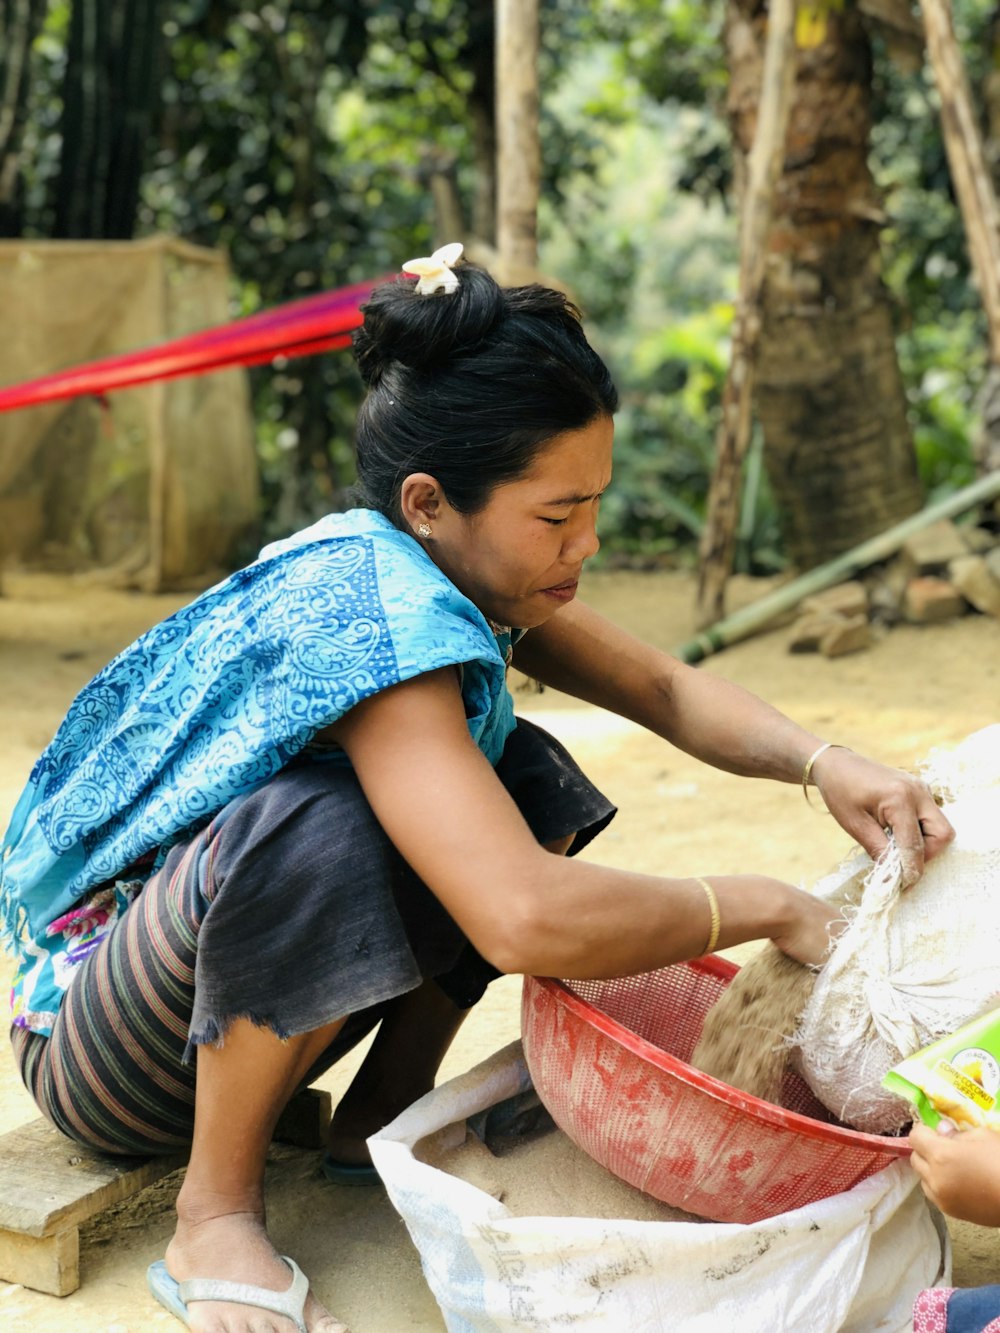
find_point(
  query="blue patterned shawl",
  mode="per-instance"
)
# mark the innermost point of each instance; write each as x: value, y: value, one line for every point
x: 212, y: 702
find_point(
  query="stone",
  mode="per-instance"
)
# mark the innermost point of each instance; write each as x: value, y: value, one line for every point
x: 992, y: 559
x: 846, y: 599
x: 979, y: 540
x: 931, y: 550
x: 973, y: 578
x: 885, y: 594
x: 850, y: 635
x: 808, y: 631
x: 928, y: 600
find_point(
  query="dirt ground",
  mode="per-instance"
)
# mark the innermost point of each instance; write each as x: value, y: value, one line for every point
x: 914, y: 689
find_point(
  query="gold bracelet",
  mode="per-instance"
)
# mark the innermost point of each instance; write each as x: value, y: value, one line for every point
x: 807, y: 771
x: 713, y: 907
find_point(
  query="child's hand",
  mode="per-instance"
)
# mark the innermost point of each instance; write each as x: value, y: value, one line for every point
x: 960, y: 1173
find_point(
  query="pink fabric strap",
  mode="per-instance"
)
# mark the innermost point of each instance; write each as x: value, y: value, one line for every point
x: 930, y: 1310
x: 300, y: 328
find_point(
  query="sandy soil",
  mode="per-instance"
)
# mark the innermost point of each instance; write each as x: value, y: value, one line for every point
x: 914, y: 689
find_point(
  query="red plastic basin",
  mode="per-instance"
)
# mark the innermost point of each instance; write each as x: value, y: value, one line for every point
x: 608, y: 1060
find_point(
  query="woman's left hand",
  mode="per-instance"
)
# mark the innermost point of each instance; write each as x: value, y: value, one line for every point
x: 870, y: 801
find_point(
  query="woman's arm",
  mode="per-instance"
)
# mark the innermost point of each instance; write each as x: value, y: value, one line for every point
x: 524, y: 909
x: 580, y: 652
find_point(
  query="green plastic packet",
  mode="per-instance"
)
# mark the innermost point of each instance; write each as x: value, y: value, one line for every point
x: 956, y: 1078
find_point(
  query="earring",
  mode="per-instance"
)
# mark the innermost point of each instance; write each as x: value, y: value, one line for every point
x: 423, y: 530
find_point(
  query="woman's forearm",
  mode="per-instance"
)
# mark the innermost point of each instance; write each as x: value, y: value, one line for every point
x: 587, y: 920
x: 730, y: 728
x: 580, y: 652
x: 718, y: 722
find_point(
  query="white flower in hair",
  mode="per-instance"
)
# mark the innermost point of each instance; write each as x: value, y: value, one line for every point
x: 435, y: 271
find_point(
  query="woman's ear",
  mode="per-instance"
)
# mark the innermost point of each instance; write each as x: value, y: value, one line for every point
x: 420, y: 502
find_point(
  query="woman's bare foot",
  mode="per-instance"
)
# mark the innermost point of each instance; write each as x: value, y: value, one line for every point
x: 235, y: 1247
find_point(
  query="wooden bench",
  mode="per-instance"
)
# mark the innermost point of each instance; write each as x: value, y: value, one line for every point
x: 49, y: 1185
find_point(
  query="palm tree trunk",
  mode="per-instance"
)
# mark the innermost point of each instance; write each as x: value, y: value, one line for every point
x: 479, y: 57
x: 829, y: 394
x: 518, y: 149
x: 987, y: 442
x: 110, y: 91
x: 19, y: 23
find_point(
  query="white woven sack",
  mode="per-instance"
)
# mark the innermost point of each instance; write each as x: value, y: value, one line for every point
x: 849, y: 1264
x: 912, y: 966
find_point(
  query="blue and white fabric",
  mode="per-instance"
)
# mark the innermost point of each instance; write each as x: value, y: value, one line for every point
x: 211, y: 703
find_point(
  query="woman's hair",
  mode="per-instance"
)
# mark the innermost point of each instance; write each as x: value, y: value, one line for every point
x: 469, y: 386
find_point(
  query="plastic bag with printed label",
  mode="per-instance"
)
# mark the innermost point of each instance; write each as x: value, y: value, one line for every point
x: 848, y: 1264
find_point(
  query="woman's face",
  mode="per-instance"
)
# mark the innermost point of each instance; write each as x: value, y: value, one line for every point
x: 519, y: 559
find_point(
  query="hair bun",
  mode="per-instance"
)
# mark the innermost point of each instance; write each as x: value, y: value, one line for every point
x: 421, y: 332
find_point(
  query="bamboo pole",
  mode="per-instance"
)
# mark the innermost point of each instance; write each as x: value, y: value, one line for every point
x: 970, y: 171
x: 518, y: 147
x: 741, y: 624
x: 763, y: 171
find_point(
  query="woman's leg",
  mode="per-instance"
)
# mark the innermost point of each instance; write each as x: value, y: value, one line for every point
x: 402, y: 1062
x: 565, y: 811
x: 241, y: 1088
x: 401, y: 1065
x: 248, y: 921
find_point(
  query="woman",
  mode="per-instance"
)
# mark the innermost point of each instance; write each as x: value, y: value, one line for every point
x: 302, y: 805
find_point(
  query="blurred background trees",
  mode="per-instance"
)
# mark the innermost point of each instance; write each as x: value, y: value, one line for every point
x: 310, y: 139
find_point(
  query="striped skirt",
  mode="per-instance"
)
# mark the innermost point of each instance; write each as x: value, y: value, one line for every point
x: 291, y: 909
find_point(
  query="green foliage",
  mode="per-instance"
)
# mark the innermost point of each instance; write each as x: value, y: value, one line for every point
x: 296, y: 134
x: 655, y: 273
x: 662, y: 315
x: 942, y: 338
x: 936, y: 360
x: 292, y: 137
x: 42, y: 143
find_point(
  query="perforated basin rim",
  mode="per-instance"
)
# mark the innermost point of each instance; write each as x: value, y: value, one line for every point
x: 609, y: 1061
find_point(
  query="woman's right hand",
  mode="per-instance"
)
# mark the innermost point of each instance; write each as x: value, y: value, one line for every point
x: 812, y: 928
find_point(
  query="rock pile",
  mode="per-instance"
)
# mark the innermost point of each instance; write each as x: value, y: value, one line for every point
x: 941, y: 572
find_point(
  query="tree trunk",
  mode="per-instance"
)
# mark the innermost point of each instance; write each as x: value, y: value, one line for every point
x: 110, y: 91
x: 967, y: 162
x: 519, y: 153
x: 479, y: 57
x: 19, y: 23
x: 829, y: 394
x: 764, y: 165
x: 987, y: 442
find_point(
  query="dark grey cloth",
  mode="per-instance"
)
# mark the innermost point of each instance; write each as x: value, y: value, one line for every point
x: 313, y: 914
x: 291, y: 908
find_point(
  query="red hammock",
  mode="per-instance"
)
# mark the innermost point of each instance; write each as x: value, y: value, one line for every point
x: 300, y: 328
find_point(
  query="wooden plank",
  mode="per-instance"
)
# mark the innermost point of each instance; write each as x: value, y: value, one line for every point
x: 43, y: 1263
x: 48, y: 1183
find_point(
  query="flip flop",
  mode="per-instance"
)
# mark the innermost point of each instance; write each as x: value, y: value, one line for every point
x: 349, y: 1173
x: 175, y: 1296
